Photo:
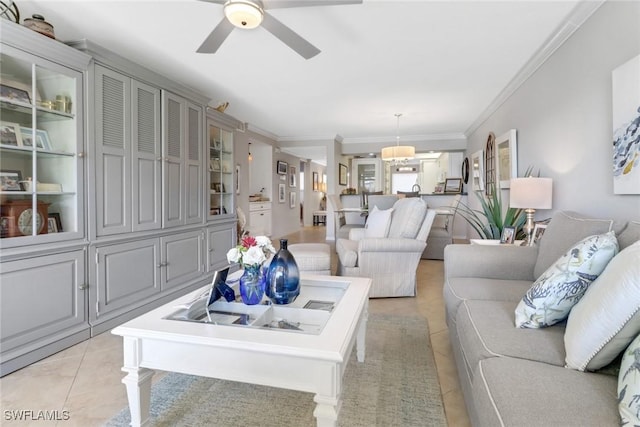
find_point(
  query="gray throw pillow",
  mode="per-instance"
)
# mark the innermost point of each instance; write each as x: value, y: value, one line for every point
x: 629, y: 235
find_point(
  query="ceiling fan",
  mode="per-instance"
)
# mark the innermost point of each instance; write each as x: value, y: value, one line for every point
x: 250, y: 14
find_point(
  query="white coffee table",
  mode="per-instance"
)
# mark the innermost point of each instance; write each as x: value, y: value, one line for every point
x: 311, y: 359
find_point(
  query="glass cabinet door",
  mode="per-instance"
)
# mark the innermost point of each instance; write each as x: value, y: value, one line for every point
x: 39, y: 159
x: 221, y: 171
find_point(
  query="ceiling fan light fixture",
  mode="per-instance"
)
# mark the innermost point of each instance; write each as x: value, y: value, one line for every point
x: 244, y: 13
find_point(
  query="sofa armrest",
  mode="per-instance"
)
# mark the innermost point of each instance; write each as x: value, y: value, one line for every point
x: 391, y: 245
x: 491, y: 262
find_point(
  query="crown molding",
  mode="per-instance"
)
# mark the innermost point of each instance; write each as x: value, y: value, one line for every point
x: 255, y: 129
x: 405, y: 138
x: 580, y: 13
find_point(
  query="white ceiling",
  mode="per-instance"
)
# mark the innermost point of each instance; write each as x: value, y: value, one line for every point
x: 440, y: 64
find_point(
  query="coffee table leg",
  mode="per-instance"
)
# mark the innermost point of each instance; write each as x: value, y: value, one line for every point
x: 326, y: 411
x: 361, y: 337
x: 138, y: 383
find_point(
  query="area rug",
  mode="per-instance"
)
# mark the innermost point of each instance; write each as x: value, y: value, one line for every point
x: 397, y: 385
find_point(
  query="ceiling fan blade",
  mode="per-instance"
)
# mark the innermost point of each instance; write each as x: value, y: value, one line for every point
x: 281, y: 4
x: 215, y: 1
x: 289, y: 37
x: 217, y: 36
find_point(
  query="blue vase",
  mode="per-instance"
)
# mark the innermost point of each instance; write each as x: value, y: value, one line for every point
x: 252, y: 285
x: 283, y: 280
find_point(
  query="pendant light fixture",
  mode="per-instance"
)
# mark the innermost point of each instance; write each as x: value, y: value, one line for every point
x: 398, y: 153
x: 250, y: 156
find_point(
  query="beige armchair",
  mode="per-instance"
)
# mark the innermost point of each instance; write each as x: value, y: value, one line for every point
x: 391, y: 261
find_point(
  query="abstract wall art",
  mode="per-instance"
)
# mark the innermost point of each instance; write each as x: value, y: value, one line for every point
x: 626, y: 127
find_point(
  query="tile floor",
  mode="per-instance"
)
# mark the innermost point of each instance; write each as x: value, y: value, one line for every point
x: 85, y: 379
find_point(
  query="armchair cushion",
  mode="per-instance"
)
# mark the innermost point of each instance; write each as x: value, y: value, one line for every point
x: 408, y: 216
x: 378, y: 223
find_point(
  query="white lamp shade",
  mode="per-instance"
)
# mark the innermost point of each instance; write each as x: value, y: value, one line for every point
x: 243, y: 14
x: 398, y: 153
x: 531, y: 193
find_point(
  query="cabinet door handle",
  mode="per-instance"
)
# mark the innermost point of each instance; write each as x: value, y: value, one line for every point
x: 83, y: 287
x: 81, y: 154
x: 159, y: 159
x: 163, y: 264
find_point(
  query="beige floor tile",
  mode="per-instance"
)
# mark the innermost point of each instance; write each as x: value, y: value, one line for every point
x: 86, y: 379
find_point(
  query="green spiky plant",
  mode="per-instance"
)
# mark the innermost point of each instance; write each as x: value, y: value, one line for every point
x: 489, y: 221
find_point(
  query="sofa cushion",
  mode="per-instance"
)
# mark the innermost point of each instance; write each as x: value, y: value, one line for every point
x: 563, y: 231
x: 378, y: 223
x: 408, y: 216
x: 607, y: 318
x: 629, y: 385
x: 558, y: 289
x: 347, y: 252
x: 516, y: 392
x: 458, y: 289
x: 629, y: 235
x: 485, y: 329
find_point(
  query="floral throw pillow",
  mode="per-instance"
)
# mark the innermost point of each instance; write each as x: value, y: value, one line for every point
x: 629, y: 385
x: 560, y: 287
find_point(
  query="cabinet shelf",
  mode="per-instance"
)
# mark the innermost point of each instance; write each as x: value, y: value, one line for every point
x: 28, y: 151
x: 26, y: 110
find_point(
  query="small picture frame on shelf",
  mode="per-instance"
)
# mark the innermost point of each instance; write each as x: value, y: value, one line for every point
x: 6, y: 222
x: 218, y: 187
x: 217, y: 145
x: 52, y: 226
x: 215, y: 211
x: 42, y: 138
x: 281, y: 167
x: 508, y: 235
x: 453, y: 185
x: 56, y: 218
x: 14, y: 94
x: 10, y: 180
x: 214, y: 165
x: 538, y: 231
x: 10, y: 134
x: 342, y: 174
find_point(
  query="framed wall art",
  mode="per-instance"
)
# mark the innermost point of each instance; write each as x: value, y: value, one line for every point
x: 342, y: 174
x: 292, y: 176
x: 506, y: 158
x: 508, y: 235
x: 316, y: 182
x: 281, y: 193
x: 281, y: 167
x: 292, y: 199
x: 626, y: 121
x: 490, y: 164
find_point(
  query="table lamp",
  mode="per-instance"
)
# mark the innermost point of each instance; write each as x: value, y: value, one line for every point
x: 530, y: 194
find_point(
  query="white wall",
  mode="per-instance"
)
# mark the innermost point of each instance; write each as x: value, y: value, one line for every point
x: 563, y: 115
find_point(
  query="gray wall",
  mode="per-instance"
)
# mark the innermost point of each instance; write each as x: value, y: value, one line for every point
x: 563, y: 115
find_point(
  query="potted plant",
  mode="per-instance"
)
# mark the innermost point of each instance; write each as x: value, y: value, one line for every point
x: 491, y: 218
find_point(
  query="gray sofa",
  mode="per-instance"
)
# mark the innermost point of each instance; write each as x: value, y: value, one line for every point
x: 517, y: 377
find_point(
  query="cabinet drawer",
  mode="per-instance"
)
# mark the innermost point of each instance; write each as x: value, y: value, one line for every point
x: 259, y: 206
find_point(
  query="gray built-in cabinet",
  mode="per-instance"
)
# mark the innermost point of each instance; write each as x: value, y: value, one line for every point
x: 131, y: 196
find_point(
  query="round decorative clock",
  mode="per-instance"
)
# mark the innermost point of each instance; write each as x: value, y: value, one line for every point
x: 20, y: 217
